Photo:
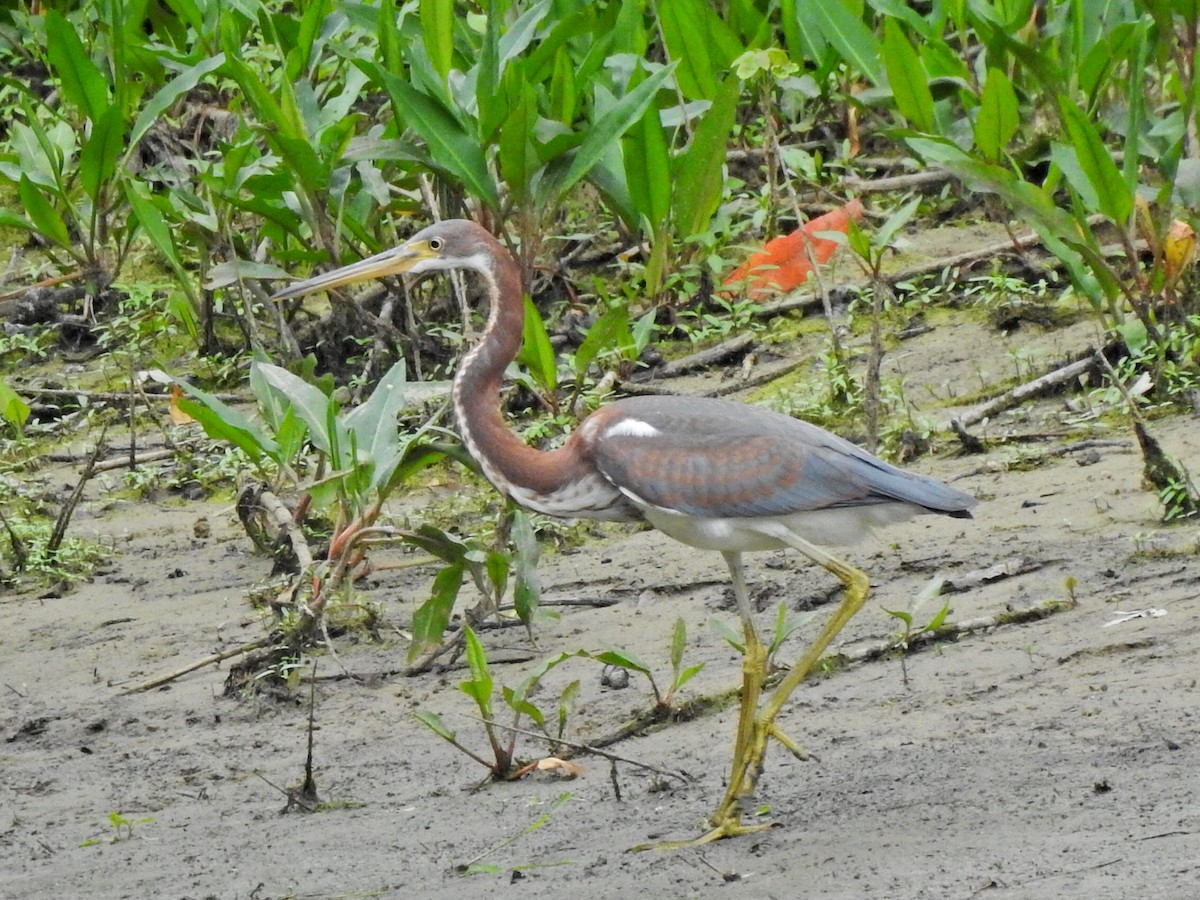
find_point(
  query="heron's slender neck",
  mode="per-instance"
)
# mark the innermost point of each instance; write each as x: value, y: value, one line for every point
x: 506, y: 459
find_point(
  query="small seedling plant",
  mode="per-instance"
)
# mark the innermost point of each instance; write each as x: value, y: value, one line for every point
x: 907, y: 617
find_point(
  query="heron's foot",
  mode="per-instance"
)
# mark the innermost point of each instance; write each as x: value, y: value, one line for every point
x: 731, y: 827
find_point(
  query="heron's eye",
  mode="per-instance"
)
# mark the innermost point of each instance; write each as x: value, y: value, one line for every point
x: 435, y: 243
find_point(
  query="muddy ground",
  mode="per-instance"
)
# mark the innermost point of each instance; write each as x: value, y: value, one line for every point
x: 1056, y: 758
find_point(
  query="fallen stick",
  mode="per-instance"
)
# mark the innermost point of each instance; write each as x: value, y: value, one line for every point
x: 927, y: 180
x: 883, y: 646
x: 1023, y: 392
x: 124, y: 462
x: 209, y: 660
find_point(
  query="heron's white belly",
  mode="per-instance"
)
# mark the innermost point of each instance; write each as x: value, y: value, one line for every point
x: 839, y: 526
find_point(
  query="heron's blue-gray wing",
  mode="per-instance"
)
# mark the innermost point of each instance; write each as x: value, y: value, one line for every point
x: 716, y: 458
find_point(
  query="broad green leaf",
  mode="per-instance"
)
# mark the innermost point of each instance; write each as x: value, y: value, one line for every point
x: 150, y: 219
x: 437, y: 33
x: 856, y: 44
x: 312, y: 406
x: 451, y: 148
x: 900, y: 614
x: 699, y: 180
x: 939, y: 619
x: 1114, y: 199
x: 607, y: 130
x: 83, y: 86
x: 223, y: 423
x: 373, y: 424
x: 537, y: 354
x: 13, y: 409
x: 98, y: 158
x: 42, y: 213
x: 648, y: 168
x: 998, y: 118
x: 430, y: 620
x: 700, y: 41
x: 1065, y: 157
x: 907, y: 77
x: 520, y: 34
x: 157, y: 106
x: 515, y: 152
x: 563, y: 88
x: 315, y: 12
x: 896, y: 221
x: 609, y: 332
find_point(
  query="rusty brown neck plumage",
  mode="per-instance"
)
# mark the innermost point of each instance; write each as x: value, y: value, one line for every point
x: 506, y: 460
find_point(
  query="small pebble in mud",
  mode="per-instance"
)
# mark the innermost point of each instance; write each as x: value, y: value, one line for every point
x: 614, y: 677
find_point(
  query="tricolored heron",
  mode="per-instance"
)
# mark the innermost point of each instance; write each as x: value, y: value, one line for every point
x: 714, y: 474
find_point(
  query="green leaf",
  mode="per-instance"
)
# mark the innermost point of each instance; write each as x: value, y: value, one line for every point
x: 179, y: 86
x: 98, y: 158
x: 699, y: 180
x: 313, y: 408
x: 373, y: 424
x: 1114, y: 199
x: 687, y: 675
x: 537, y: 353
x: 451, y: 148
x: 527, y: 589
x: 678, y: 644
x: 515, y: 151
x: 854, y: 42
x: 13, y: 409
x: 998, y: 118
x: 42, y: 213
x: 896, y: 221
x: 609, y: 332
x: 907, y: 76
x: 727, y: 634
x: 150, y: 218
x: 430, y: 620
x: 437, y: 31
x: 480, y: 685
x: 83, y: 86
x: 648, y: 168
x: 622, y: 658
x: 223, y: 423
x: 434, y: 723
x: 523, y: 707
x: 607, y: 130
x: 701, y: 42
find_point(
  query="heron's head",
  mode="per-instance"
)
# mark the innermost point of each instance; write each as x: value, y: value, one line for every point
x: 453, y: 244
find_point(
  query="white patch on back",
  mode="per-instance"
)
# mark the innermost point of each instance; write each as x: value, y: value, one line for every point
x: 632, y: 428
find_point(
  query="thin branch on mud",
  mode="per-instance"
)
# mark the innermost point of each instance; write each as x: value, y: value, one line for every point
x: 146, y: 456
x: 209, y: 660
x: 1037, y: 387
x: 885, y: 646
x: 587, y: 748
x: 68, y: 509
x: 919, y: 181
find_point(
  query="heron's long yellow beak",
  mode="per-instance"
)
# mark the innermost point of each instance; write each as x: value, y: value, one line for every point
x: 390, y: 262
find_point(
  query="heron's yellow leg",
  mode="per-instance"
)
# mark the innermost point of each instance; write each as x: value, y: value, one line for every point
x: 756, y: 727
